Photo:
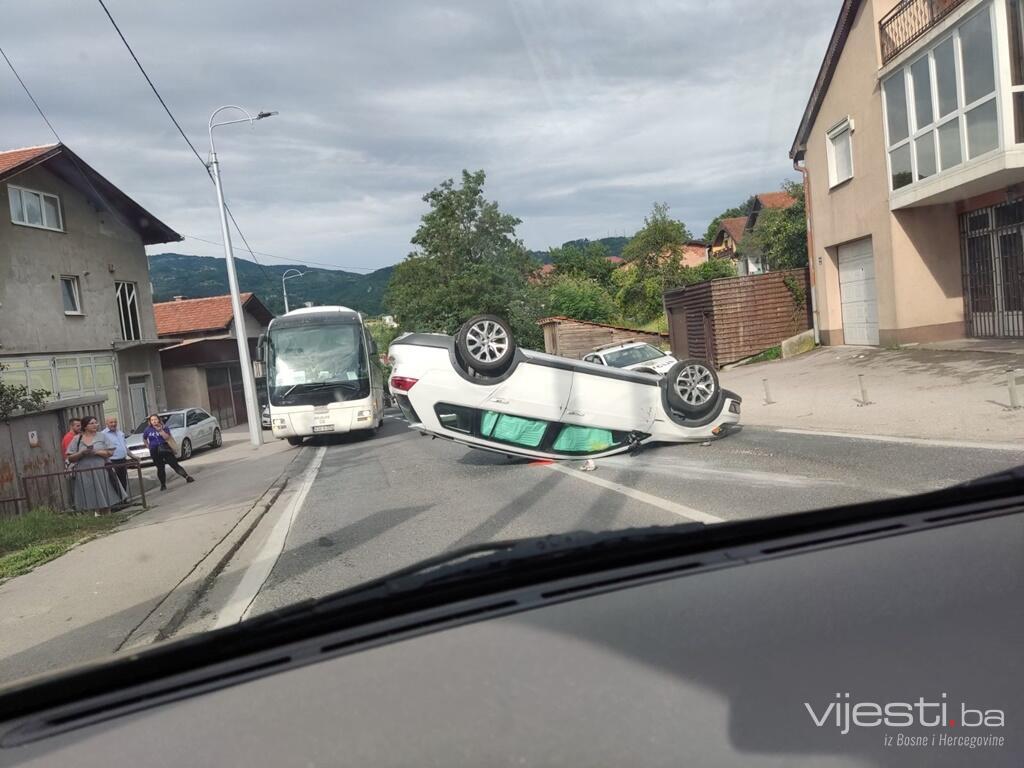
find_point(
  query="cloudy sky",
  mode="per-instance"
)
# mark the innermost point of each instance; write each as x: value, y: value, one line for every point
x: 582, y: 112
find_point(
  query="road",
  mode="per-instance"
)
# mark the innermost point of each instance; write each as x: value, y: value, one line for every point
x: 378, y: 504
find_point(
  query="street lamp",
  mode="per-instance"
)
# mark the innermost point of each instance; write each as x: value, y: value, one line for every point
x: 248, y: 385
x: 284, y: 288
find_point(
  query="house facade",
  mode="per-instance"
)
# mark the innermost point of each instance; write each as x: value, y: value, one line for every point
x: 76, y: 306
x: 733, y: 230
x: 201, y: 367
x: 913, y: 148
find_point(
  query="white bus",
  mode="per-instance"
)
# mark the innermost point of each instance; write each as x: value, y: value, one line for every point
x: 322, y: 374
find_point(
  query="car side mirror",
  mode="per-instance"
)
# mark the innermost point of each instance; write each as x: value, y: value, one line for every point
x: 260, y: 344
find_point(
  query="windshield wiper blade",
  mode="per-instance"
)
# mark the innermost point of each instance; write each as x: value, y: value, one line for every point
x: 311, y: 386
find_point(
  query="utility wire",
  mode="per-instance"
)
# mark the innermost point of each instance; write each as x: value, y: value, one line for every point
x: 180, y: 129
x: 31, y: 98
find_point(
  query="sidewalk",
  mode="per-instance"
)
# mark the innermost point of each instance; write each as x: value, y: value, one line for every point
x: 948, y: 394
x: 88, y: 603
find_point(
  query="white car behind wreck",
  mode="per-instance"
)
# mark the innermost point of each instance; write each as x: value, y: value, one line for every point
x: 479, y: 389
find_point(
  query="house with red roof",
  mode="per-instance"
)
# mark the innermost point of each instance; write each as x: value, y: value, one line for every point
x: 201, y: 368
x: 76, y: 307
x: 732, y: 231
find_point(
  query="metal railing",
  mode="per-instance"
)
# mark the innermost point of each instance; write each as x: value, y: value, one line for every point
x: 56, y: 490
x: 910, y: 19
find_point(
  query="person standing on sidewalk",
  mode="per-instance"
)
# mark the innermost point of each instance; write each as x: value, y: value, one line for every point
x: 119, y: 458
x: 74, y: 429
x: 159, y: 441
x: 93, y: 488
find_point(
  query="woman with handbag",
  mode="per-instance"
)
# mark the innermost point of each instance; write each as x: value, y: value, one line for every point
x: 163, y: 449
x: 89, y: 450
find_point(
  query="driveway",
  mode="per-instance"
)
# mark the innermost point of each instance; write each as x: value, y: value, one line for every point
x: 946, y: 394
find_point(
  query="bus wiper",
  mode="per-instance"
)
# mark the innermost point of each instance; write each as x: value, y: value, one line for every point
x: 312, y: 386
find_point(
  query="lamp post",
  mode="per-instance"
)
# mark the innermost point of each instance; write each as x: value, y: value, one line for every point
x: 248, y: 385
x: 284, y: 288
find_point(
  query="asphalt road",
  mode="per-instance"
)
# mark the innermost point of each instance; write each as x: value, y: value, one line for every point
x: 382, y: 503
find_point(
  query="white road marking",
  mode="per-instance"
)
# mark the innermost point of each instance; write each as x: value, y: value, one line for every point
x: 923, y: 441
x: 256, y: 575
x: 655, y: 501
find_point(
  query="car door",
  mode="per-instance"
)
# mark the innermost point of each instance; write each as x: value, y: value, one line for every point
x: 613, y: 399
x: 193, y: 428
x: 204, y: 426
x: 537, y: 389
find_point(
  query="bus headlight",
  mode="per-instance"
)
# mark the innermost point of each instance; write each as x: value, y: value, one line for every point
x: 279, y: 422
x: 363, y: 415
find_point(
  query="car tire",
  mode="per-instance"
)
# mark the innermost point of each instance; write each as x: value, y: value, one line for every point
x: 186, y: 449
x: 485, y: 344
x: 692, y: 387
x: 295, y: 441
x: 218, y: 438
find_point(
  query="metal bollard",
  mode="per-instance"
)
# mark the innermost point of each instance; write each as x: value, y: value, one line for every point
x: 767, y: 393
x: 1011, y: 383
x: 863, y: 390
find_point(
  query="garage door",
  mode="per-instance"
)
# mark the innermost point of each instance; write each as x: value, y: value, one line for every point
x: 857, y: 291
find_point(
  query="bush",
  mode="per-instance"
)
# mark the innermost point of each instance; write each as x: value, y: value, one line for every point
x: 581, y: 299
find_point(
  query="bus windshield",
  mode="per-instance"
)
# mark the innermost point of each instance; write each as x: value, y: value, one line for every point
x: 322, y: 358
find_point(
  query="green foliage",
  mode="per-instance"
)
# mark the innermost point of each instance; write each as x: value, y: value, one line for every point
x: 772, y: 353
x: 640, y: 288
x: 612, y: 245
x: 659, y: 232
x: 728, y: 213
x: 468, y: 262
x: 194, y: 277
x: 588, y: 261
x: 779, y: 238
x: 17, y: 397
x: 41, y: 534
x: 798, y: 292
x: 581, y: 298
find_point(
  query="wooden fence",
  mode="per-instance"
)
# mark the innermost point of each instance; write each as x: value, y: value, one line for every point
x: 574, y: 338
x: 733, y: 318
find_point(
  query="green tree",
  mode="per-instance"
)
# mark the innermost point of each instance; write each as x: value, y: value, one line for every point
x: 640, y: 292
x: 18, y: 397
x: 469, y: 261
x: 779, y: 237
x: 728, y: 213
x: 581, y: 299
x: 659, y: 232
x: 589, y: 261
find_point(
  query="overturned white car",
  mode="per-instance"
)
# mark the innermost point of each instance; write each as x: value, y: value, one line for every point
x: 479, y: 389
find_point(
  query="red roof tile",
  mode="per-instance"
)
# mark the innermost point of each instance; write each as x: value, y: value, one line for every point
x: 615, y: 259
x: 12, y: 158
x: 194, y: 315
x: 776, y: 199
x: 734, y: 226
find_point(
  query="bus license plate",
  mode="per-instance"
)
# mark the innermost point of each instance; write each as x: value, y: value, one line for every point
x: 323, y: 428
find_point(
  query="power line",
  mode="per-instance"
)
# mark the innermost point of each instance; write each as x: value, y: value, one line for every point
x: 31, y: 98
x: 177, y: 125
x: 153, y: 87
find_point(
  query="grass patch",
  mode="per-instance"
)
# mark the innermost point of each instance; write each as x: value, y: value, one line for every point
x: 772, y: 353
x: 40, y: 535
x: 658, y: 325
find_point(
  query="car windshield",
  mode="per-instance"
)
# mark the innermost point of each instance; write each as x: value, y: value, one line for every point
x: 642, y: 353
x: 792, y: 233
x: 170, y: 420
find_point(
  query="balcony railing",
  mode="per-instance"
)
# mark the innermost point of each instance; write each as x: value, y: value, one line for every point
x: 908, y: 21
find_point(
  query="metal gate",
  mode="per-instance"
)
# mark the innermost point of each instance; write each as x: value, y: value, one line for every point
x: 992, y: 256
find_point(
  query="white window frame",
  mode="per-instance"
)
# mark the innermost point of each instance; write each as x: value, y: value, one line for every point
x: 42, y: 208
x: 843, y: 126
x: 915, y: 132
x: 131, y: 303
x: 76, y: 289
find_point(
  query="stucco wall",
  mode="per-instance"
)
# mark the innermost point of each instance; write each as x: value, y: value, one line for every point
x: 32, y: 260
x: 858, y: 207
x: 186, y: 387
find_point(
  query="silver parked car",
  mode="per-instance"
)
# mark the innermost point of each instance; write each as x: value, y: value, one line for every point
x: 191, y: 428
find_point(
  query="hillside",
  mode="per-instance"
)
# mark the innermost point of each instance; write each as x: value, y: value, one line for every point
x: 613, y: 245
x: 176, y: 274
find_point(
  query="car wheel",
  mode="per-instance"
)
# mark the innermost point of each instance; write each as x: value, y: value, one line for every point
x: 218, y: 438
x: 295, y: 441
x: 693, y: 387
x: 186, y: 449
x: 485, y: 343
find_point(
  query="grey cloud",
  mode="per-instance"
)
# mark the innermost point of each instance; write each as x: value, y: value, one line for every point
x: 582, y: 112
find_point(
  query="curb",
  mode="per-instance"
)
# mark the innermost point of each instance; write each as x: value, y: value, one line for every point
x: 170, y: 613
